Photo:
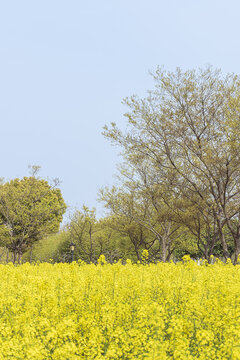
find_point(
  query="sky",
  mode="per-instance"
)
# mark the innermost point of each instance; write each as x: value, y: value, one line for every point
x: 65, y: 67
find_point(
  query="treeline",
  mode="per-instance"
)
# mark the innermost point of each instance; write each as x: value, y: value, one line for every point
x: 178, y: 191
x: 114, y: 237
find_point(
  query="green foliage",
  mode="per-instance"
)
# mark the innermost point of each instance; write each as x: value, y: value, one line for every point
x: 29, y: 210
x: 93, y: 238
x: 45, y: 249
x: 182, y: 155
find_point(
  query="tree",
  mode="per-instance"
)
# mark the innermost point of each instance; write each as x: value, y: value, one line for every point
x: 81, y: 230
x: 29, y: 209
x: 121, y: 238
x: 92, y: 238
x: 123, y: 216
x: 188, y: 128
x: 141, y: 214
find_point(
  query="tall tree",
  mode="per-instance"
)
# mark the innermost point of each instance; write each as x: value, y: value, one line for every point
x: 189, y: 127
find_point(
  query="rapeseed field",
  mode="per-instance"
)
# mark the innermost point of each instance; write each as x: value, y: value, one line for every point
x: 133, y: 311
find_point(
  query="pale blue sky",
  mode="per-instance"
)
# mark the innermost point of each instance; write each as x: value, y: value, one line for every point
x: 66, y: 65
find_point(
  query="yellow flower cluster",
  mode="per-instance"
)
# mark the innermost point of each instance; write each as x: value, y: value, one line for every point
x: 133, y: 311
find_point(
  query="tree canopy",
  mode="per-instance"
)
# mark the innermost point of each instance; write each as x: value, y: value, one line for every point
x: 29, y: 209
x: 187, y: 133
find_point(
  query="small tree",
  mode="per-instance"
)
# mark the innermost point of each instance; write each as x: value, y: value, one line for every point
x: 29, y: 209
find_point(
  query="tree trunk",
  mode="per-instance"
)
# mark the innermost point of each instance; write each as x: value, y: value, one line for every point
x: 226, y: 253
x: 237, y: 246
x: 15, y: 256
x: 164, y: 249
x: 31, y: 254
x: 236, y: 255
x: 19, y: 258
